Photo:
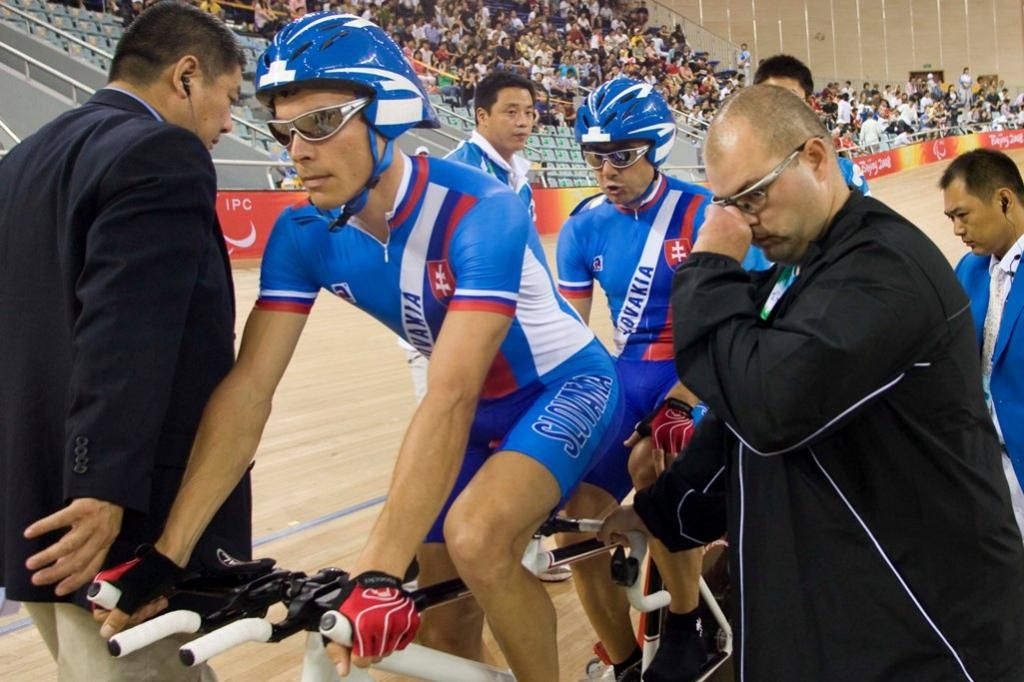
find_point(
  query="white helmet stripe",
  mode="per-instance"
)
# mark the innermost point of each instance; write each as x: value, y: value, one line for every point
x: 643, y: 89
x: 390, y: 80
x: 398, y: 111
x: 292, y: 38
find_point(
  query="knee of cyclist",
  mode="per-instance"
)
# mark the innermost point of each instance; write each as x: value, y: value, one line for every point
x: 477, y: 551
x: 641, y: 470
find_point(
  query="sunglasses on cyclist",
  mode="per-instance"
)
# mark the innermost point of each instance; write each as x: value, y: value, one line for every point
x: 319, y: 124
x: 620, y: 158
x: 753, y: 199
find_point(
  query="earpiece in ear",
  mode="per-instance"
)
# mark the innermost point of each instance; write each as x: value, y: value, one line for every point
x: 186, y: 85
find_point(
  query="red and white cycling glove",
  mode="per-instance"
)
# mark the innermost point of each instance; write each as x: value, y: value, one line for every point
x: 670, y: 425
x: 384, y: 617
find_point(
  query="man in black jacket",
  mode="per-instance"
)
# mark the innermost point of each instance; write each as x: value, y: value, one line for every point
x: 116, y: 323
x: 849, y: 454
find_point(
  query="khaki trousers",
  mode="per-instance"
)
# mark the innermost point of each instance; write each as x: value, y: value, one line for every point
x: 74, y: 641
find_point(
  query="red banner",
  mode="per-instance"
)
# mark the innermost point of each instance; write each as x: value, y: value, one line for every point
x: 1004, y: 139
x: 246, y: 217
x: 933, y: 151
x: 555, y: 205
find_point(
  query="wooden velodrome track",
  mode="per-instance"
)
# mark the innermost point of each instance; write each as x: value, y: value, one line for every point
x: 327, y: 453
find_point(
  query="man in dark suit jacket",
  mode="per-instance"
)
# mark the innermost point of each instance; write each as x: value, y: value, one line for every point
x: 116, y: 323
x: 983, y: 194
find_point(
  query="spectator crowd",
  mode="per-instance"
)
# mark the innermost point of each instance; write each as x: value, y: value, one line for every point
x: 568, y: 47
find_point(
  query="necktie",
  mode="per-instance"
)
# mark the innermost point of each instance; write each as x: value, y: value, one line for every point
x: 997, y: 290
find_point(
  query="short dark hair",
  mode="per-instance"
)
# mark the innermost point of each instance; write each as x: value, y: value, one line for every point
x: 488, y: 88
x: 785, y: 66
x: 168, y: 31
x: 984, y: 172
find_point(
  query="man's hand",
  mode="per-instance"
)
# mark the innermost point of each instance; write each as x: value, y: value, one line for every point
x: 620, y: 522
x: 73, y: 560
x: 383, y: 616
x: 724, y: 231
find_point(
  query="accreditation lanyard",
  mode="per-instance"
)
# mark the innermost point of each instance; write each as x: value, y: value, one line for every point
x: 787, y: 276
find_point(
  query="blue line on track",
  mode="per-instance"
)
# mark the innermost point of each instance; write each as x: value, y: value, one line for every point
x: 320, y: 520
x: 277, y: 535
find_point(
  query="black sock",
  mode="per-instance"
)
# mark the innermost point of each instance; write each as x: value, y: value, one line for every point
x: 682, y: 623
x: 633, y: 659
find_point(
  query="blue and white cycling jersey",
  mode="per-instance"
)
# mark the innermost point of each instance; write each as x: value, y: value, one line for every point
x: 479, y: 153
x: 853, y: 176
x: 633, y: 254
x: 447, y: 250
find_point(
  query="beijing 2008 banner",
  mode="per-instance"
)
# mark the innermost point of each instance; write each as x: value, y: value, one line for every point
x: 933, y: 151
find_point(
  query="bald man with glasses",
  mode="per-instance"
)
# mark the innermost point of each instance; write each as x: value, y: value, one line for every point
x: 847, y: 448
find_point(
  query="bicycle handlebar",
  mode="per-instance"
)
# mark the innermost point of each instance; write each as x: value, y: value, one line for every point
x: 644, y: 603
x: 220, y: 640
x: 144, y: 634
x: 305, y: 597
x: 104, y: 594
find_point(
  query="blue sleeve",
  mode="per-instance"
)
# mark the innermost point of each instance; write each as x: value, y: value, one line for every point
x: 286, y: 283
x: 486, y: 254
x: 756, y: 260
x: 575, y: 274
x: 854, y: 176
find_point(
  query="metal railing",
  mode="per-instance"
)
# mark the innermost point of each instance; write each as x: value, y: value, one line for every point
x: 698, y: 38
x: 886, y: 143
x: 59, y: 31
x: 10, y: 133
x: 31, y: 62
x: 107, y: 55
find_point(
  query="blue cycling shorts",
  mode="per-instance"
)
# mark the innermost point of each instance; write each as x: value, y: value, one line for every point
x: 644, y: 384
x: 564, y: 421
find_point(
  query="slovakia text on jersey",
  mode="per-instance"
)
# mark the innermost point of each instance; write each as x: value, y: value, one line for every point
x: 633, y: 254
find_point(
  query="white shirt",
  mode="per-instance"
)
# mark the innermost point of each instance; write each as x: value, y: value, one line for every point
x: 844, y: 112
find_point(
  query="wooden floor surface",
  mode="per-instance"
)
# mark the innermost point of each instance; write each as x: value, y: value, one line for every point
x: 331, y: 442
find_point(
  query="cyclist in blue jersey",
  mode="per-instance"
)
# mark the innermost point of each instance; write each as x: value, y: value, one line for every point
x: 785, y: 71
x: 503, y: 106
x: 521, y: 396
x: 631, y: 238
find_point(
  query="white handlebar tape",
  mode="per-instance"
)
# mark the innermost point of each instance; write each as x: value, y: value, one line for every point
x: 635, y: 592
x: 104, y: 595
x: 222, y: 639
x: 590, y: 525
x: 144, y: 634
x: 336, y: 628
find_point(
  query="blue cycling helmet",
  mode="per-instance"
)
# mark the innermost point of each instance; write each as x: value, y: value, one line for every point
x: 330, y: 50
x: 325, y: 50
x: 627, y: 109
